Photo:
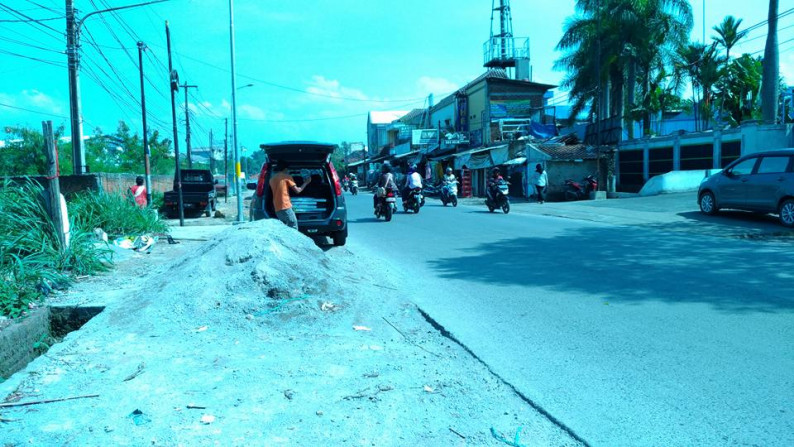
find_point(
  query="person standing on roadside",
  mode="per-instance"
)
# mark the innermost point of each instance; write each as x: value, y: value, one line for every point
x: 281, y: 184
x: 138, y: 192
x: 541, y: 181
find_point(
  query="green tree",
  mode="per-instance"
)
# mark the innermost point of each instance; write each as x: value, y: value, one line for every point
x: 24, y: 152
x: 728, y: 34
x: 637, y: 39
x: 739, y: 87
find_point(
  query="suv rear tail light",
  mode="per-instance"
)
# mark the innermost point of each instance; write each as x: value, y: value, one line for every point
x: 337, y: 185
x: 260, y: 183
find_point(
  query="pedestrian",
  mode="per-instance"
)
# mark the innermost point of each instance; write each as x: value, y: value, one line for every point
x: 138, y: 192
x: 281, y: 184
x: 541, y: 181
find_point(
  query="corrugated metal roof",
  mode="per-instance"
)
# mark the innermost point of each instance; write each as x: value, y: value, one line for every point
x: 569, y: 152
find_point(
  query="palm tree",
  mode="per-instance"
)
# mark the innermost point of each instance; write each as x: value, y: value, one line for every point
x: 728, y: 34
x: 637, y: 40
x: 770, y: 83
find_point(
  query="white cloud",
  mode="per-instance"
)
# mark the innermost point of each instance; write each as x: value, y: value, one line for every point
x: 252, y: 112
x: 34, y: 100
x: 332, y: 90
x: 437, y: 86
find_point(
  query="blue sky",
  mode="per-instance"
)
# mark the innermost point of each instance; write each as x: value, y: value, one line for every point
x: 317, y: 66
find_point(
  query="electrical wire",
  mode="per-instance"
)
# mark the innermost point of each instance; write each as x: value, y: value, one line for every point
x: 31, y: 20
x: 43, y: 61
x: 39, y: 112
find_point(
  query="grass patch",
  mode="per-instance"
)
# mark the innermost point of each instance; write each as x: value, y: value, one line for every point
x: 32, y: 260
x: 116, y: 214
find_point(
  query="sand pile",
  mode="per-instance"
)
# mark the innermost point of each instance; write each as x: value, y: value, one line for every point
x: 248, y: 271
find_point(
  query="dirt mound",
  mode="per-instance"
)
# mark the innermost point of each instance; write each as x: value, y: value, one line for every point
x: 248, y: 271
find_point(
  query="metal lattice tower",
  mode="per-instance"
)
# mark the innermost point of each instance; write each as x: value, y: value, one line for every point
x: 500, y: 49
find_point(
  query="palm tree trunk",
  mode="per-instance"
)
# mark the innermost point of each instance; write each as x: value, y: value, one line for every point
x: 771, y: 77
x: 631, y: 87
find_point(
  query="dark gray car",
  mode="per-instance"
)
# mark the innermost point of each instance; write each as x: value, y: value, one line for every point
x: 762, y: 182
x: 320, y: 208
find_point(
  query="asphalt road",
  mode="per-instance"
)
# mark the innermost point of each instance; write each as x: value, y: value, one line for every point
x: 624, y: 335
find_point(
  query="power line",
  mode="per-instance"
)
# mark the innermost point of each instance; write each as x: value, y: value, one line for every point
x: 32, y: 111
x: 764, y: 49
x: 31, y: 20
x: 294, y: 89
x: 44, y: 7
x: 764, y: 22
x: 43, y: 61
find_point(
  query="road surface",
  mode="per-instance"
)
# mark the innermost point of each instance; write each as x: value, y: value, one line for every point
x: 622, y: 335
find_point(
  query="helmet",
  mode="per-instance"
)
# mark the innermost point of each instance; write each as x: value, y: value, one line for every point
x: 495, y: 171
x: 449, y: 170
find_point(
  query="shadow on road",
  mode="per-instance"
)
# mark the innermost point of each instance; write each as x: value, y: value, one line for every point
x: 632, y: 265
x: 732, y: 218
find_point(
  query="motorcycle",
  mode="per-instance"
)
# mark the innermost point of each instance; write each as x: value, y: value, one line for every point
x: 449, y: 193
x: 354, y: 187
x: 387, y: 204
x: 497, y: 197
x: 413, y: 200
x: 345, y: 184
x: 578, y: 191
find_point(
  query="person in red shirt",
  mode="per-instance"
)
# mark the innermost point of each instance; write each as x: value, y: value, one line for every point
x: 281, y: 184
x: 138, y: 192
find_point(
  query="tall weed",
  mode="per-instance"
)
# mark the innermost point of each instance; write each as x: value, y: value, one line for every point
x: 116, y: 214
x: 32, y: 260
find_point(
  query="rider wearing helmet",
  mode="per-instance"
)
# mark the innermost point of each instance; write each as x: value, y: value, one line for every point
x: 449, y: 177
x: 495, y: 179
x: 413, y: 181
x: 386, y: 181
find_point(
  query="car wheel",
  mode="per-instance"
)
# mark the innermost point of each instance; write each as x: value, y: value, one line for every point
x: 708, y: 205
x: 786, y: 213
x: 340, y: 238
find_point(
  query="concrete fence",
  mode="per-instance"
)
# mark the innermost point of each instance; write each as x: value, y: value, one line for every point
x: 110, y: 183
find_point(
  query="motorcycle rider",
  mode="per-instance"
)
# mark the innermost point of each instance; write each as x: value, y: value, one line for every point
x: 493, y: 183
x: 449, y: 177
x: 386, y: 181
x: 412, y: 182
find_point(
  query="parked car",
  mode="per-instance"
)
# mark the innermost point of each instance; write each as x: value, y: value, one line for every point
x: 198, y: 193
x: 762, y: 182
x: 320, y: 208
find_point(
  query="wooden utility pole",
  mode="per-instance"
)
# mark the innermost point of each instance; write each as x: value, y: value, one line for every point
x: 146, y: 152
x: 174, y: 76
x: 54, y: 187
x: 226, y: 158
x: 212, y: 155
x: 187, y: 126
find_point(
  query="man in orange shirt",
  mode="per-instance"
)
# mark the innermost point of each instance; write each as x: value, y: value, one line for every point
x: 281, y: 184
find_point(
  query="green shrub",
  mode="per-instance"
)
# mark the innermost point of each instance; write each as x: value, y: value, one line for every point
x: 116, y: 214
x: 32, y: 260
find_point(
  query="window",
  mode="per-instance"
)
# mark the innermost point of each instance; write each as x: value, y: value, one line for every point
x: 773, y: 165
x: 744, y: 168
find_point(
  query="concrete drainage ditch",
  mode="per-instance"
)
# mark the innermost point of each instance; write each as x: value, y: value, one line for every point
x: 22, y: 342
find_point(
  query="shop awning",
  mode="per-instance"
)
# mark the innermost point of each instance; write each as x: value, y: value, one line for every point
x: 515, y: 161
x: 357, y: 163
x: 482, y: 158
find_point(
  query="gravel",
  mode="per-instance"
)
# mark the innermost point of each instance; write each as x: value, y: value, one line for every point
x: 259, y: 337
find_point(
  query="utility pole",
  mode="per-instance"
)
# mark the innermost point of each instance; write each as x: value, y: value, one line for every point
x: 235, y: 140
x: 54, y: 188
x: 174, y: 88
x: 601, y: 106
x: 146, y: 151
x: 75, y: 108
x: 73, y: 25
x: 226, y: 158
x: 187, y: 126
x: 212, y: 155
